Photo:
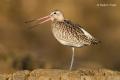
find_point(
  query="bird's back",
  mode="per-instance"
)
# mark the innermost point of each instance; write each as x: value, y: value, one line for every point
x: 71, y: 34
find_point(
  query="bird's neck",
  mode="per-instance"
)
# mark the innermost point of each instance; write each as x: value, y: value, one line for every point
x: 58, y: 20
x: 56, y: 23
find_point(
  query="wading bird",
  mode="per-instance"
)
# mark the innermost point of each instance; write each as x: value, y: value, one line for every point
x: 66, y: 32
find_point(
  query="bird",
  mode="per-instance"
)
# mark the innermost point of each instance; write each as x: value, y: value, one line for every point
x: 67, y: 32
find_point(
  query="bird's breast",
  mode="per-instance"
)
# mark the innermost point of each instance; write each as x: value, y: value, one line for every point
x: 59, y: 30
x: 64, y: 33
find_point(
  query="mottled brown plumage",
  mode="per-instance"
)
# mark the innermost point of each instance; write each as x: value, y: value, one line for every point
x: 68, y: 33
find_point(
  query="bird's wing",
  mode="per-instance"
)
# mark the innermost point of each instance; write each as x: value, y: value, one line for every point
x: 86, y: 33
x: 81, y: 34
x: 77, y: 27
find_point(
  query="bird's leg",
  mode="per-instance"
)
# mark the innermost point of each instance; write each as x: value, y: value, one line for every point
x: 72, y: 59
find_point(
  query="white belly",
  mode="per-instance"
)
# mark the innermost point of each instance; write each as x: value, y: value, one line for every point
x: 73, y: 44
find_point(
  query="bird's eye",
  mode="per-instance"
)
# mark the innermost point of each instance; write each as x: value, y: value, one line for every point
x: 54, y: 12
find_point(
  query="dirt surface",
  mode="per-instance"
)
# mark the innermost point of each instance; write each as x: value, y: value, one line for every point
x: 55, y: 74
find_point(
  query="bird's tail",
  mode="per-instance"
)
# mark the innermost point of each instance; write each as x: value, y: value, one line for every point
x: 95, y: 41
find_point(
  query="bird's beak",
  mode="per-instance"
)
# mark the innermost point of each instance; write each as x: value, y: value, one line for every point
x: 41, y: 20
x: 44, y: 19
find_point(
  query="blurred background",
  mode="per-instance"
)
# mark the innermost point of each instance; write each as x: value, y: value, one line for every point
x: 22, y: 48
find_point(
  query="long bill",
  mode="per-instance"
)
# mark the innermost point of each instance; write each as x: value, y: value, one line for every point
x: 45, y: 19
x: 39, y: 21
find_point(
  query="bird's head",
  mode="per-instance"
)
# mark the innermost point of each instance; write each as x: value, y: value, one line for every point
x: 57, y: 15
x: 53, y: 16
